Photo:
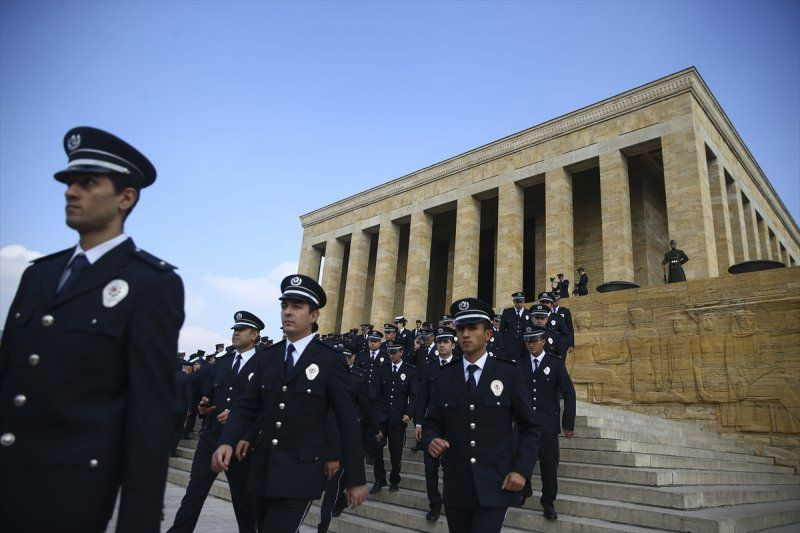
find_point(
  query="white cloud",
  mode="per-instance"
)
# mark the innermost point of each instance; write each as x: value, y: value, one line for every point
x: 195, y: 306
x: 260, y: 291
x: 14, y: 259
x: 193, y: 338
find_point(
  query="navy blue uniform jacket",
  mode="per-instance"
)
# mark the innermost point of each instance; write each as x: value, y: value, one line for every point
x: 543, y: 386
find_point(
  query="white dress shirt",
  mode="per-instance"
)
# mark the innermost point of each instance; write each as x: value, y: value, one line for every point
x: 245, y: 357
x: 480, y: 362
x: 92, y: 254
x: 299, y: 347
x: 537, y: 358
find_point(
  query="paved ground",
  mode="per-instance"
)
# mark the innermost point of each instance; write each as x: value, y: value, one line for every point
x: 217, y: 515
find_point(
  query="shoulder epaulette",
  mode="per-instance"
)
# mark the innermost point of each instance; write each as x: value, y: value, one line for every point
x: 51, y: 256
x: 503, y: 359
x: 152, y: 260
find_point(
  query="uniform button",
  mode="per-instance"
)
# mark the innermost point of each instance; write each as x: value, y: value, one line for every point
x: 94, y: 321
x: 284, y: 388
x: 308, y: 391
x: 227, y: 399
x: 534, y: 381
x: 534, y: 390
x: 93, y: 463
x: 230, y: 388
x: 472, y: 443
x: 534, y: 407
x: 472, y: 425
x: 278, y: 424
x: 445, y: 405
x: 47, y: 320
x: 274, y: 442
x: 19, y: 400
x: 7, y: 439
x: 498, y: 403
x: 33, y: 359
x: 281, y: 405
x: 138, y: 249
x: 17, y: 315
x: 161, y: 263
x: 473, y: 460
x: 471, y: 407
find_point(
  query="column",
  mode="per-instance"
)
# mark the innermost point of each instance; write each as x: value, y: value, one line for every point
x: 741, y: 250
x: 415, y: 302
x: 509, y: 249
x: 763, y: 236
x: 385, y: 273
x: 310, y: 260
x: 331, y: 283
x: 559, y: 244
x: 689, y: 215
x: 354, y: 296
x: 722, y: 220
x: 775, y: 245
x: 467, y: 247
x: 615, y: 206
x: 753, y: 234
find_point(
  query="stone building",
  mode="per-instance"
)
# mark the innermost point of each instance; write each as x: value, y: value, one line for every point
x: 604, y: 187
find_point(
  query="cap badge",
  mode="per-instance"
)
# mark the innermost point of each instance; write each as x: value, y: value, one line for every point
x: 463, y: 305
x: 115, y: 292
x: 296, y: 280
x: 312, y: 371
x: 402, y: 377
x: 74, y: 142
x: 238, y: 316
x: 546, y: 370
x: 441, y: 331
x: 497, y: 387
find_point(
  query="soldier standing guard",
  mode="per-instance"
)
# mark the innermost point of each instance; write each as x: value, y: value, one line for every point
x: 294, y: 385
x: 87, y: 360
x: 512, y: 324
x: 472, y: 409
x: 547, y: 379
x: 674, y: 261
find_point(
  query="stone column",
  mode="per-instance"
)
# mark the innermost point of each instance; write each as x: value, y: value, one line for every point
x: 722, y: 220
x: 355, y: 293
x: 741, y: 249
x: 310, y: 260
x: 689, y: 216
x: 559, y: 243
x: 467, y: 248
x: 775, y: 245
x: 415, y: 301
x: 753, y: 233
x: 763, y: 236
x: 331, y: 283
x: 385, y: 273
x: 509, y: 249
x: 615, y: 207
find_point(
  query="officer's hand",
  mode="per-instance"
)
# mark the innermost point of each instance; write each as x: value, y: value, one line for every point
x: 418, y: 433
x: 223, y: 416
x: 331, y: 467
x: 356, y: 495
x: 570, y: 349
x: 242, y: 447
x: 513, y: 482
x: 221, y: 459
x: 406, y: 419
x: 204, y: 410
x: 379, y: 436
x: 437, y: 447
x: 569, y: 433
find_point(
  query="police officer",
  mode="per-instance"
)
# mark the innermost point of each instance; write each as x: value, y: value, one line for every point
x: 294, y: 384
x: 495, y: 343
x: 87, y: 360
x: 581, y: 289
x: 427, y: 350
x: 512, y: 323
x: 560, y: 287
x: 427, y: 373
x: 415, y: 331
x: 397, y: 389
x: 369, y: 362
x: 674, y: 261
x: 553, y: 343
x: 471, y: 411
x: 227, y: 381
x: 555, y: 323
x: 547, y: 380
x: 404, y: 336
x: 566, y: 315
x: 390, y: 335
x: 180, y: 407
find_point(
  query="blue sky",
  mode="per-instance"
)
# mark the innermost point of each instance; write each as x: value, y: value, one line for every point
x: 255, y: 113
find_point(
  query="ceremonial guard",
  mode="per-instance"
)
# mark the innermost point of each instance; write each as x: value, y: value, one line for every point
x: 404, y: 336
x: 553, y: 342
x: 87, y: 361
x: 512, y: 323
x: 582, y: 289
x: 397, y: 389
x: 180, y: 407
x: 294, y: 384
x: 227, y: 381
x: 369, y: 362
x: 473, y: 407
x: 674, y: 261
x: 444, y: 356
x: 548, y: 380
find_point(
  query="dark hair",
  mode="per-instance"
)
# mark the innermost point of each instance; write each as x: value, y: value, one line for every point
x: 121, y: 183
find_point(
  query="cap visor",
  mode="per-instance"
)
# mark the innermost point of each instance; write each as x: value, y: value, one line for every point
x: 63, y: 175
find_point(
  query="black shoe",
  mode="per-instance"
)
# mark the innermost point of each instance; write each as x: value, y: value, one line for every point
x: 376, y: 487
x: 550, y: 514
x: 433, y: 514
x: 370, y: 460
x: 393, y: 487
x: 338, y: 510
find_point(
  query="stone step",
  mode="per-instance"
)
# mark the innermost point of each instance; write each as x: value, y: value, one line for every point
x: 659, y: 449
x: 672, y: 440
x: 609, y: 412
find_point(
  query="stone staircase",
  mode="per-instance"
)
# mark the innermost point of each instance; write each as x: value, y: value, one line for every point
x: 624, y: 471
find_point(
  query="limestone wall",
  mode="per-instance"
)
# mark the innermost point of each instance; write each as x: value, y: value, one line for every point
x: 724, y: 352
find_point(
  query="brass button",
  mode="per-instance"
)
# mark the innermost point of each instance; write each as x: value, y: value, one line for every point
x: 47, y: 320
x: 19, y: 400
x: 33, y: 359
x: 473, y: 460
x: 7, y: 439
x: 274, y: 442
x: 93, y: 463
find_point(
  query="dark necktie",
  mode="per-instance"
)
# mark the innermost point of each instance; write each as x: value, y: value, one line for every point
x: 442, y: 362
x: 237, y: 363
x: 471, y: 383
x: 394, y: 369
x: 78, y: 263
x: 289, y: 363
x: 535, y: 364
x: 373, y: 356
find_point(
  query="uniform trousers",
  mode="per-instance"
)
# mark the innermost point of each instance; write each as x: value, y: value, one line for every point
x: 396, y: 437
x: 475, y: 519
x: 548, y: 466
x: 334, y: 492
x: 281, y: 515
x: 432, y: 480
x: 190, y: 423
x: 200, y: 482
x: 177, y: 429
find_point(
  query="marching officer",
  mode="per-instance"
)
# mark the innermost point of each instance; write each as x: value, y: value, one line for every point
x: 555, y: 322
x: 495, y: 343
x: 294, y: 384
x: 553, y: 342
x: 397, y: 389
x: 180, y: 408
x: 473, y: 407
x: 228, y: 378
x: 404, y: 336
x: 369, y: 362
x: 547, y: 380
x: 566, y: 315
x: 87, y: 360
x: 674, y: 261
x: 512, y: 323
x: 444, y: 356
x: 389, y: 334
